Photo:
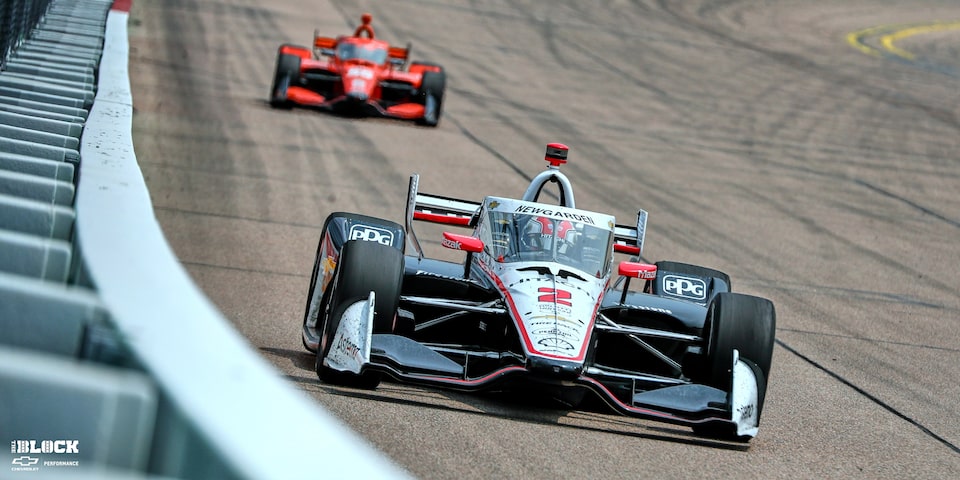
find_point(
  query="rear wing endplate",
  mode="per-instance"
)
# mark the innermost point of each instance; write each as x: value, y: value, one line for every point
x: 629, y: 240
x: 436, y: 209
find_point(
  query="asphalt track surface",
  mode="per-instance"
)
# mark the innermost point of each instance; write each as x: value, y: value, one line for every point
x: 808, y: 148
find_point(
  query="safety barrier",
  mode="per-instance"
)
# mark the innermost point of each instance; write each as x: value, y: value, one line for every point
x: 112, y: 363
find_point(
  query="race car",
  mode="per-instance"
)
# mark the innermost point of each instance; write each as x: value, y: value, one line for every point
x: 358, y: 75
x: 535, y: 306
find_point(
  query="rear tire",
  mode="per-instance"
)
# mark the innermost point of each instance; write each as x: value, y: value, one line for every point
x: 363, y: 267
x: 286, y: 74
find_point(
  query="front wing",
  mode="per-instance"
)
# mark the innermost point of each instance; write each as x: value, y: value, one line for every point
x: 305, y: 97
x: 661, y: 398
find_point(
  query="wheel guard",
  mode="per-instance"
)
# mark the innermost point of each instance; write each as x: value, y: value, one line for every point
x: 350, y: 349
x: 693, y: 399
x: 744, y: 397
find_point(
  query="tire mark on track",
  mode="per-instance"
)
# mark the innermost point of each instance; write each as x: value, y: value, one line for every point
x: 908, y: 202
x: 869, y: 340
x: 239, y: 217
x: 870, y: 396
x: 794, y: 62
x: 661, y: 200
x: 564, y: 129
x: 245, y: 270
x: 490, y: 149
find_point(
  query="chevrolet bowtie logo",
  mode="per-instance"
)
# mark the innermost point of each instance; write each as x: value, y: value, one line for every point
x: 25, y: 461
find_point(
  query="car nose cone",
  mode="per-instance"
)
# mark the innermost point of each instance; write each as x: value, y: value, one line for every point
x: 357, y: 97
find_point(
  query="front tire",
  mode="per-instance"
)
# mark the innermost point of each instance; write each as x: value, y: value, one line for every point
x: 744, y: 323
x: 363, y: 267
x: 287, y: 73
x: 432, y: 88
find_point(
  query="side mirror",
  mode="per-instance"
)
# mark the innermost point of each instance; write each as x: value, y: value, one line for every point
x: 465, y: 243
x: 643, y: 271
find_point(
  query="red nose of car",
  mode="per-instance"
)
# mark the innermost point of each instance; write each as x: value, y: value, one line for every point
x: 359, y: 82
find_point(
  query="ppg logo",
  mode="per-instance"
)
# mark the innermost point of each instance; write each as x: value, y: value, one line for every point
x: 685, y: 287
x: 371, y: 234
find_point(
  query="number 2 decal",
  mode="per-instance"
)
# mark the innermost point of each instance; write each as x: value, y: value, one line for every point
x: 560, y: 297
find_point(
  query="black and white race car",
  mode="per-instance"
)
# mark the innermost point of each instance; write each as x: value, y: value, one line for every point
x: 536, y: 304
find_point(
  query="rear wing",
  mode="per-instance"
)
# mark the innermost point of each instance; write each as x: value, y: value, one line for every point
x: 436, y: 209
x: 399, y: 55
x: 323, y: 45
x: 464, y: 213
x: 629, y: 240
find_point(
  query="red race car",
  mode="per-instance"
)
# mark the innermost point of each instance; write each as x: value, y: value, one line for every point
x: 358, y: 75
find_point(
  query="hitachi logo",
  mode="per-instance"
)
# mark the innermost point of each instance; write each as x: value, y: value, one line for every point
x: 46, y: 446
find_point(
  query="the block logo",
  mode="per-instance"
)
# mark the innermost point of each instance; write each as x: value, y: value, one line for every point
x: 29, y: 452
x: 45, y: 446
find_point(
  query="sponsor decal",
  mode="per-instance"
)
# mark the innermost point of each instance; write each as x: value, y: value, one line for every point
x: 553, y: 343
x: 554, y: 331
x: 556, y: 214
x: 686, y: 287
x: 346, y: 346
x: 494, y: 204
x: 553, y: 308
x: 446, y: 242
x: 350, y: 347
x: 368, y: 233
x: 25, y: 461
x: 362, y: 72
x: 31, y: 463
x: 445, y: 277
x: 649, y: 309
x: 45, y: 446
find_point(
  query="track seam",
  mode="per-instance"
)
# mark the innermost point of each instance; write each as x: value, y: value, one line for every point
x: 870, y: 397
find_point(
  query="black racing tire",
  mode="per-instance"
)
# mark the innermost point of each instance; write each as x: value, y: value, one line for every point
x: 363, y: 267
x: 287, y: 72
x: 747, y: 324
x: 742, y: 322
x: 433, y: 85
x: 316, y: 304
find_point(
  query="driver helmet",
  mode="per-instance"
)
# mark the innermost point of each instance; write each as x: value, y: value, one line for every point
x: 541, y: 233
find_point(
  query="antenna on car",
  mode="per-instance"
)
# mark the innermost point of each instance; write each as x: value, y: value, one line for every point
x: 556, y: 155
